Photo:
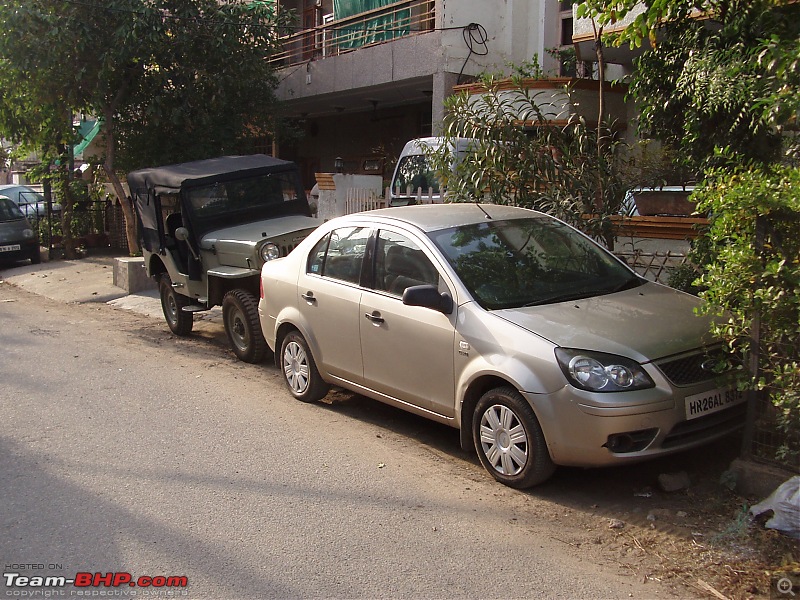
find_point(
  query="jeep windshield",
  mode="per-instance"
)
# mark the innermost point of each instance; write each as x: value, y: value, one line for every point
x: 244, y: 200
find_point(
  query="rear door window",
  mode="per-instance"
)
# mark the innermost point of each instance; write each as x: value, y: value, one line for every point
x: 340, y: 254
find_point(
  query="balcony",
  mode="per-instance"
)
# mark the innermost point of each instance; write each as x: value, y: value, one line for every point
x: 332, y: 38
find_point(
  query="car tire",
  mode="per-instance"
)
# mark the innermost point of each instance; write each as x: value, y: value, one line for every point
x: 36, y: 256
x: 240, y: 316
x: 509, y: 439
x: 300, y: 371
x: 172, y: 303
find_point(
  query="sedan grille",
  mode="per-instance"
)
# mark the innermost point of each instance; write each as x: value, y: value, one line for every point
x: 688, y: 370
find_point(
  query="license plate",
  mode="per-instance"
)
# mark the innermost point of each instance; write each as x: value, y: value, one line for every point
x: 700, y: 405
x: 9, y: 248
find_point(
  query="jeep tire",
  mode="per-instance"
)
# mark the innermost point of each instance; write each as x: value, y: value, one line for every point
x: 180, y: 322
x: 240, y: 316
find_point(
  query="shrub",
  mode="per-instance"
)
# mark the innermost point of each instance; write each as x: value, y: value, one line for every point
x: 752, y: 281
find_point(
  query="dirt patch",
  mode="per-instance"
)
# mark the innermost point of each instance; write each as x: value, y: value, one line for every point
x: 700, y: 538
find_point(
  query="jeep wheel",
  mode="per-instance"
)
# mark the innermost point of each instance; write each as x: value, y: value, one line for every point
x: 240, y: 315
x: 172, y: 303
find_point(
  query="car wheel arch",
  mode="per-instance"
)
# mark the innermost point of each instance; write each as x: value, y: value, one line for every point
x: 284, y: 328
x: 219, y: 286
x: 157, y: 266
x: 476, y: 388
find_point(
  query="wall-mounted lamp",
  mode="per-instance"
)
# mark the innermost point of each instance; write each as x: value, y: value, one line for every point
x: 338, y: 164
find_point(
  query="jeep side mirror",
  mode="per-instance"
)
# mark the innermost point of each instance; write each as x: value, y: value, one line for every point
x: 429, y: 297
x: 182, y: 234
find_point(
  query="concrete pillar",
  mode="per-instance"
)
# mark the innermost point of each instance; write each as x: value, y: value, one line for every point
x: 443, y: 83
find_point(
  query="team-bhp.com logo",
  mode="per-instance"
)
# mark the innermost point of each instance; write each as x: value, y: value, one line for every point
x: 94, y: 580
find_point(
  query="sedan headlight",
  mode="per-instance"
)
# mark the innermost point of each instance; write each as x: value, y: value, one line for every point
x: 270, y: 251
x: 599, y: 372
x: 27, y: 233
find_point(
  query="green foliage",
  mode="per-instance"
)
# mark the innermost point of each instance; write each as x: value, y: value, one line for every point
x: 174, y: 79
x: 726, y: 81
x: 696, y: 88
x: 755, y: 270
x: 519, y: 156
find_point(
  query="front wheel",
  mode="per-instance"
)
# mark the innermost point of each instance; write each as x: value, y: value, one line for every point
x: 509, y: 439
x: 240, y: 315
x: 172, y: 303
x: 300, y: 371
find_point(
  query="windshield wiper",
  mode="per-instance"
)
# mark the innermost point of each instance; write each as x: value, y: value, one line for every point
x: 626, y: 285
x: 556, y: 298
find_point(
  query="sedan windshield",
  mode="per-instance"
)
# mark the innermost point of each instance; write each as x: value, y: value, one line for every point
x: 532, y: 261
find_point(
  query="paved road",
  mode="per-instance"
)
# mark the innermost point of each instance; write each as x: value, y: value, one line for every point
x: 125, y: 449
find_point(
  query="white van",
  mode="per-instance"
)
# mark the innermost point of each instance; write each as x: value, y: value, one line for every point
x: 414, y: 180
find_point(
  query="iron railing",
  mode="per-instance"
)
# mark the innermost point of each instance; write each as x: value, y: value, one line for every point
x: 409, y: 17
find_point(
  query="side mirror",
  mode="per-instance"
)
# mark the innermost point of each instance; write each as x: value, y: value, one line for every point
x: 428, y: 296
x: 182, y: 234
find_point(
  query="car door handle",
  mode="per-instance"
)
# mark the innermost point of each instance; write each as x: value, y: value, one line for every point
x: 308, y: 297
x: 375, y: 317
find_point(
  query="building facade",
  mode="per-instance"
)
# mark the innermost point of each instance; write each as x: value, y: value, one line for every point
x: 359, y: 78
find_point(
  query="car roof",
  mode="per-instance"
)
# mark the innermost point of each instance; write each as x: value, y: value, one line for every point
x: 433, y: 217
x: 173, y: 177
x: 16, y: 187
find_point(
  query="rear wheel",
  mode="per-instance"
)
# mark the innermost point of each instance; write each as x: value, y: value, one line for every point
x: 509, y: 439
x: 240, y: 315
x: 172, y: 303
x: 300, y: 371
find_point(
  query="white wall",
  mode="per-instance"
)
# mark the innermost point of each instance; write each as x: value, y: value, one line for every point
x: 516, y: 30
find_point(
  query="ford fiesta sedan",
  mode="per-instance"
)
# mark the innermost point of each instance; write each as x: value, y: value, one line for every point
x: 540, y: 346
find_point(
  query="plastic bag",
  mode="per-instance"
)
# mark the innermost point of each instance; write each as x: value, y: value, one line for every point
x: 784, y: 503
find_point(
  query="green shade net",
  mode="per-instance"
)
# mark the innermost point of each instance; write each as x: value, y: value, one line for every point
x: 87, y: 131
x: 380, y: 28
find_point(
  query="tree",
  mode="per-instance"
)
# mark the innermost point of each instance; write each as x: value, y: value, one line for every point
x: 173, y: 80
x: 706, y: 82
x: 519, y: 155
x: 755, y: 270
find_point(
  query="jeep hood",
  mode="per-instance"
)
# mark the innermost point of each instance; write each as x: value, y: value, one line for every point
x: 644, y: 323
x: 251, y: 234
x: 233, y: 245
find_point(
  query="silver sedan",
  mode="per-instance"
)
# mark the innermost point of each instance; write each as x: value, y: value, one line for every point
x: 540, y: 346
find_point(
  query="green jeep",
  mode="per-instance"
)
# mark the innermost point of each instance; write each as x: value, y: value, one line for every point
x: 207, y: 227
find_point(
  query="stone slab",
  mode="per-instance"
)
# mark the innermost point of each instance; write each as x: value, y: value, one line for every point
x: 130, y: 275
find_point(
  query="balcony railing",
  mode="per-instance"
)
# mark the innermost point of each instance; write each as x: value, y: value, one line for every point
x: 409, y: 17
